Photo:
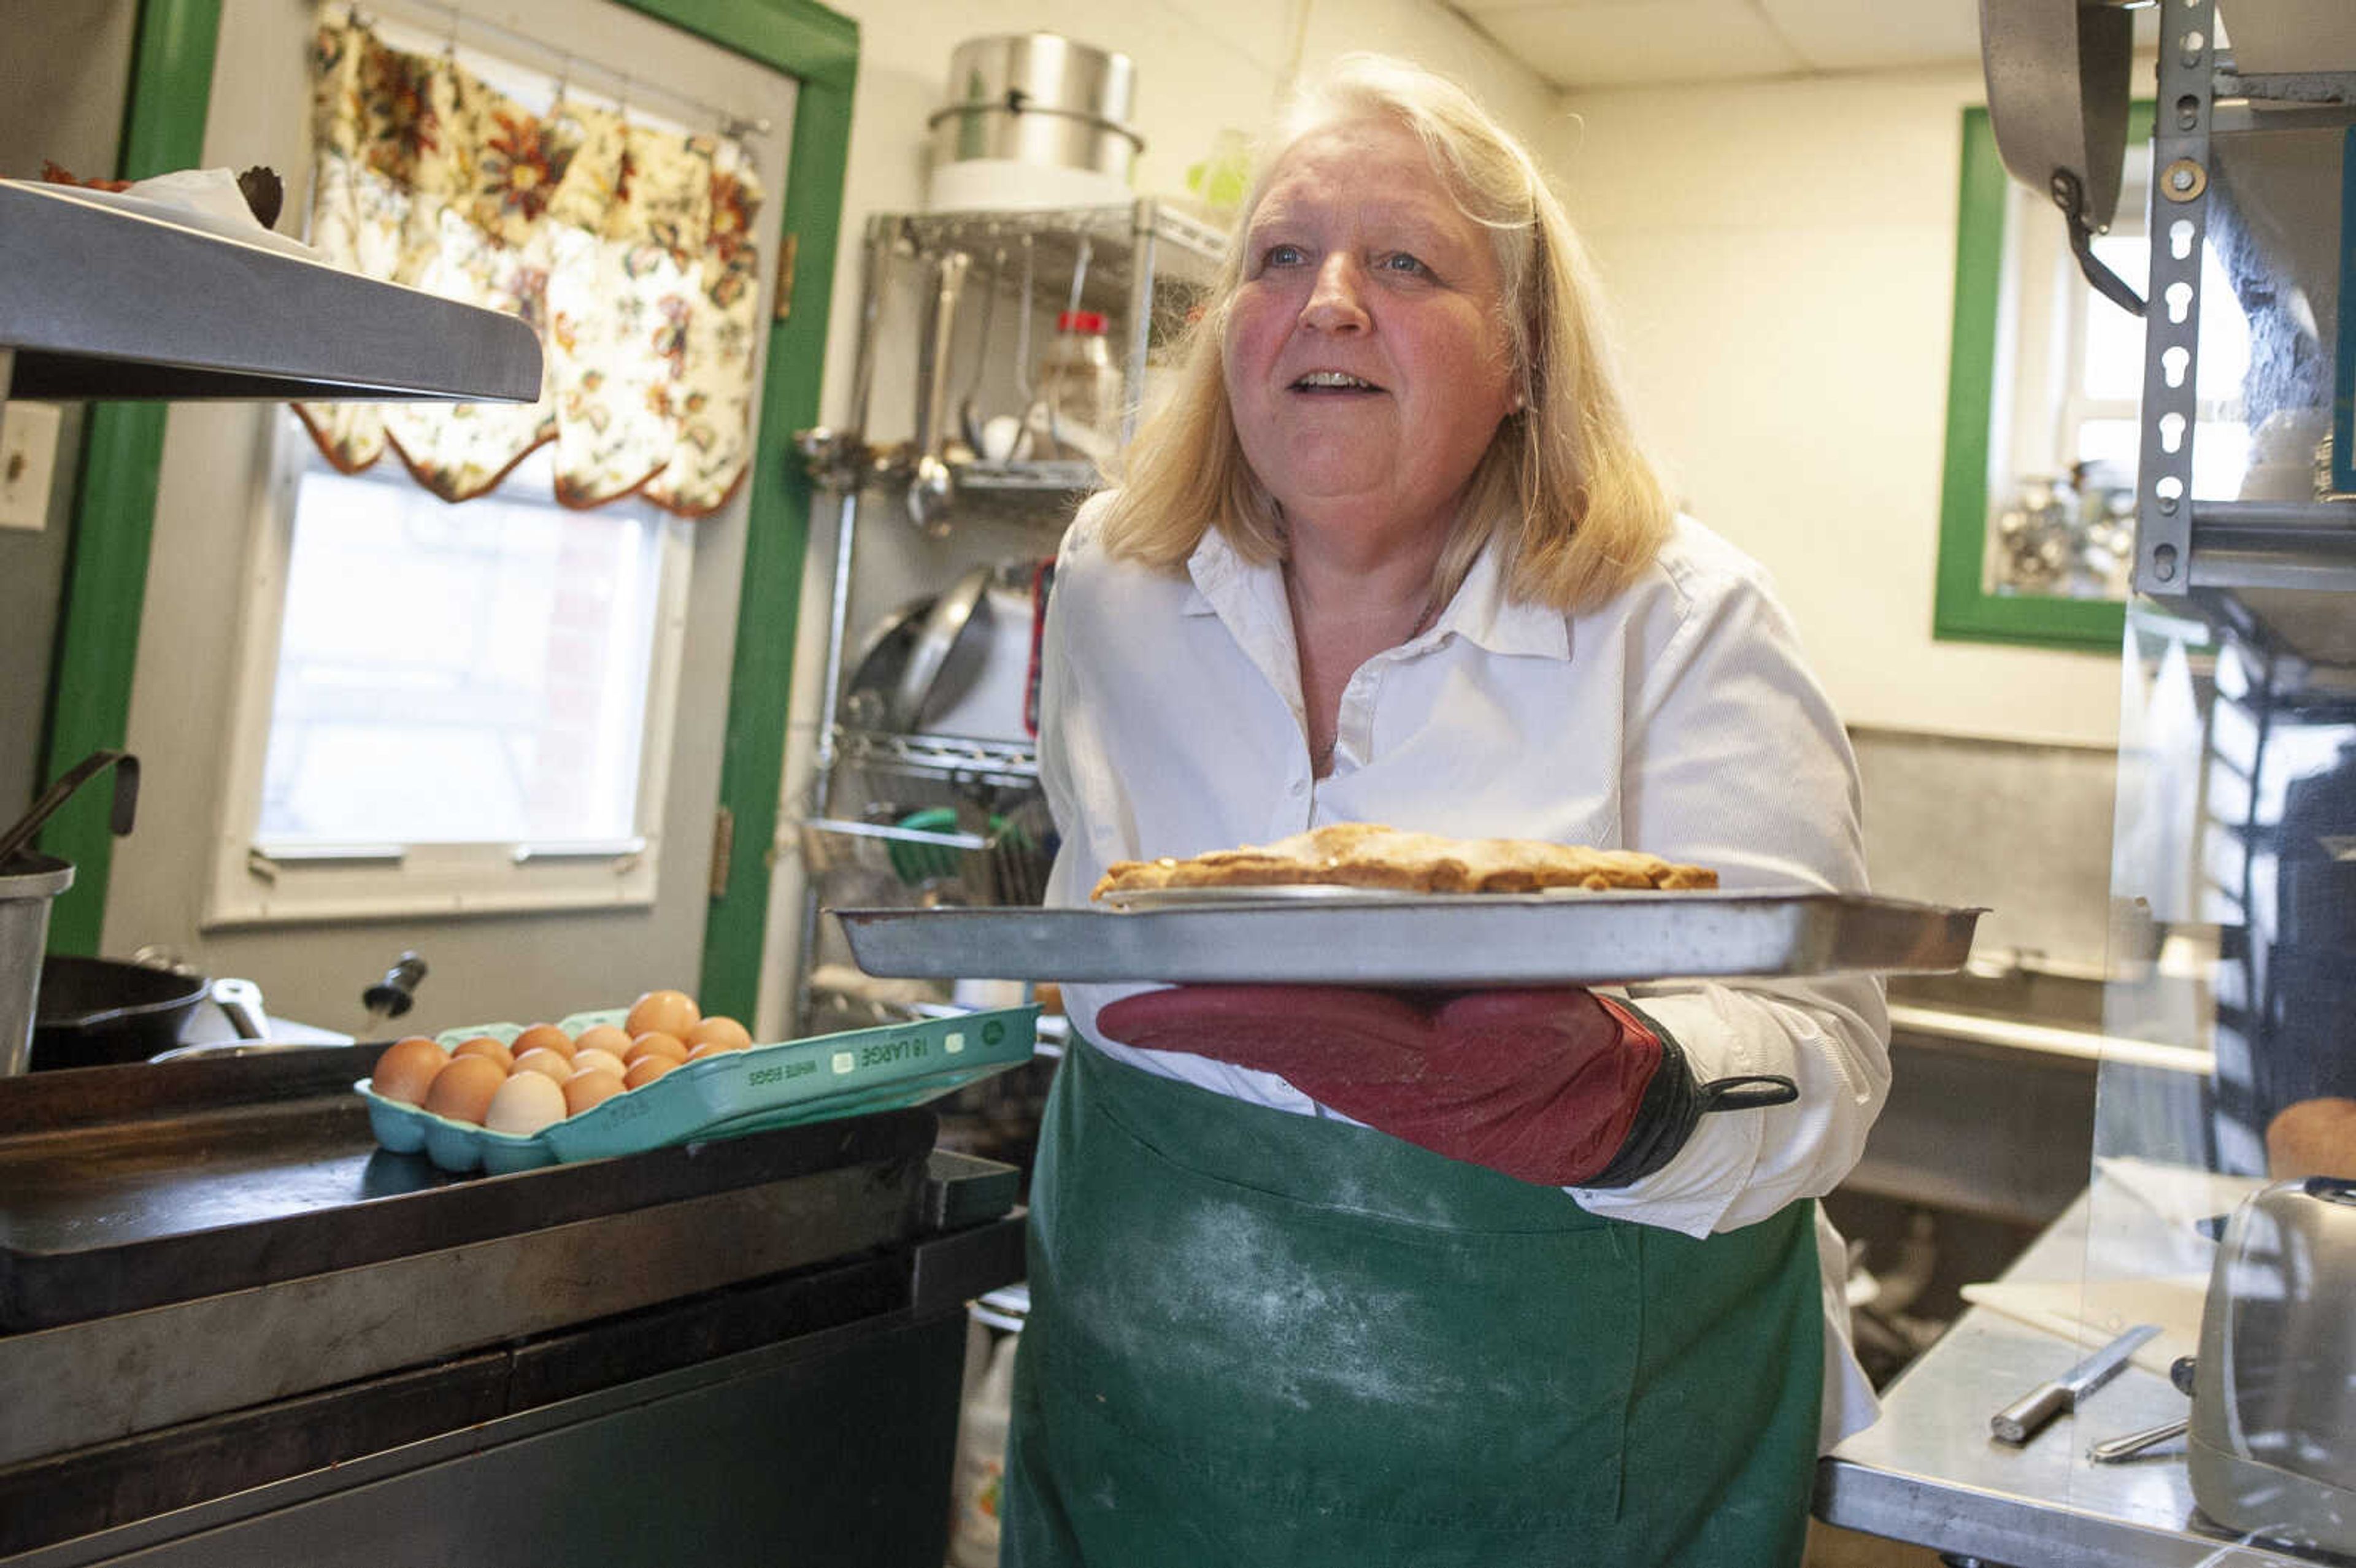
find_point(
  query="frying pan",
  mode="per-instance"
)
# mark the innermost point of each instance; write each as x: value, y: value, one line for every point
x: 95, y: 1012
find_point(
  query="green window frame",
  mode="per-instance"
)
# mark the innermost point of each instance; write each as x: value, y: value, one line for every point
x: 1962, y: 608
x: 106, y: 574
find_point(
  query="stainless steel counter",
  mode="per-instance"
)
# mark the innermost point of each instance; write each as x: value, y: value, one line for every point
x: 1928, y: 1471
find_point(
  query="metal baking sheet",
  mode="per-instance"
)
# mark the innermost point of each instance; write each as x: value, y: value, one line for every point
x: 1422, y: 939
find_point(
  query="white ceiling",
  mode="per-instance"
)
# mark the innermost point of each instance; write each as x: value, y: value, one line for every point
x: 1616, y: 43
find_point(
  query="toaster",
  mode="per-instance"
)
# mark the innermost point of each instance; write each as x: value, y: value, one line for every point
x: 2271, y: 1446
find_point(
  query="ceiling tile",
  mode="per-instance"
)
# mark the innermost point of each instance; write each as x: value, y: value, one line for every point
x: 1862, y: 35
x: 1611, y: 42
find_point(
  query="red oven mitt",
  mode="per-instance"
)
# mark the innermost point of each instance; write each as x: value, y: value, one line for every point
x: 1558, y: 1087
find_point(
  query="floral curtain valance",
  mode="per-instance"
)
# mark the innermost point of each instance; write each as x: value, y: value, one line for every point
x: 629, y: 250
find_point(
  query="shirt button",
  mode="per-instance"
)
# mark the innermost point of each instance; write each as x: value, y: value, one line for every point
x: 1299, y: 787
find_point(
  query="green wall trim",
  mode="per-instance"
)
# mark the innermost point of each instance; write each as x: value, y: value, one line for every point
x: 760, y: 689
x: 820, y: 49
x: 114, y: 509
x: 817, y: 46
x: 1963, y: 609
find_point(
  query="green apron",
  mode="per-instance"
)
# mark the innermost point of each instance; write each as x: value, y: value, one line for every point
x: 1258, y: 1338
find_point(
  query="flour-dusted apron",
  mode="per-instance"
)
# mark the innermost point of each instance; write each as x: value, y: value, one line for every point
x: 1263, y: 1339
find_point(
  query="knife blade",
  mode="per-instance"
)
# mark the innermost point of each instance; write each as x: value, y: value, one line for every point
x: 2025, y: 1417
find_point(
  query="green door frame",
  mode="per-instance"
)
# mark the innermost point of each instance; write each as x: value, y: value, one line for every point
x: 106, y: 574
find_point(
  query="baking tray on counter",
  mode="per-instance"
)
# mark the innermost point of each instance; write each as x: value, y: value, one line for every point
x: 1357, y: 936
x: 129, y: 1187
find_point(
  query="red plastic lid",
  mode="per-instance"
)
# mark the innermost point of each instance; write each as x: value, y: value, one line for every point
x: 1080, y: 321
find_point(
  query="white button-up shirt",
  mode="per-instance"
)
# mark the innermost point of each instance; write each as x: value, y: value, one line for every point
x: 1678, y: 719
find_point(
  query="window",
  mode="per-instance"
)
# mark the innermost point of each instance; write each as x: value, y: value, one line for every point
x: 2037, y: 525
x: 506, y: 644
x: 458, y: 707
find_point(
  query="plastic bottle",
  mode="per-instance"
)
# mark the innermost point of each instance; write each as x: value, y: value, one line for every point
x: 982, y: 1463
x: 1078, y: 414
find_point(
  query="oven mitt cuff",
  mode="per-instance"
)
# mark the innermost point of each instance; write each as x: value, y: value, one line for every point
x: 1673, y: 1103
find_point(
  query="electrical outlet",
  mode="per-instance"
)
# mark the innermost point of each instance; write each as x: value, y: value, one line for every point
x: 29, y: 458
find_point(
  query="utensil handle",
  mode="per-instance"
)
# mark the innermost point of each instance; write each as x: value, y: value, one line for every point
x: 2025, y: 1417
x: 2134, y: 1443
x: 120, y: 813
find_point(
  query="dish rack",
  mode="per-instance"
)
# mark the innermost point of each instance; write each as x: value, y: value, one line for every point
x: 927, y: 860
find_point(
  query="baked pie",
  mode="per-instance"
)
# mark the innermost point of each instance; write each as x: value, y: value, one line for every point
x: 1369, y: 855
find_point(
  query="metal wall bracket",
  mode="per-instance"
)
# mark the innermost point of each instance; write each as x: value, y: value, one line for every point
x: 2179, y: 155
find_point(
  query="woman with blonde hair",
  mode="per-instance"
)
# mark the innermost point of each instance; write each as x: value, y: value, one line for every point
x: 1360, y: 1276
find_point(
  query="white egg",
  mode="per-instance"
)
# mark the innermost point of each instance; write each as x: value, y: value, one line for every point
x: 524, y: 1104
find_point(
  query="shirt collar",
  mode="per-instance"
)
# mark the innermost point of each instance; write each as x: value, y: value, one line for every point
x: 1247, y: 593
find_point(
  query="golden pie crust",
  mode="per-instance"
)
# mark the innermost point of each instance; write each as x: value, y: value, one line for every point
x: 1369, y: 855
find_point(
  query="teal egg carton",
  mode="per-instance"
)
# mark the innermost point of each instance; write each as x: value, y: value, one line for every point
x: 724, y: 1094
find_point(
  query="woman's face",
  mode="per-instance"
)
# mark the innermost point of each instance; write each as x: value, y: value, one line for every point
x: 1365, y: 351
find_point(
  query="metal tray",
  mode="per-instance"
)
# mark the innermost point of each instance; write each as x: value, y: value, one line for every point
x: 1354, y: 937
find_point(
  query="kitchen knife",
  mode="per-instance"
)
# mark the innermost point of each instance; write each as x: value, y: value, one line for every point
x: 2024, y: 1418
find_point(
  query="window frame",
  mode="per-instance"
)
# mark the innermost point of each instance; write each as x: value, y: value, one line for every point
x: 1963, y: 609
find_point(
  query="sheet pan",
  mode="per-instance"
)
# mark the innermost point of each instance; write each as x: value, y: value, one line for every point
x: 1354, y: 937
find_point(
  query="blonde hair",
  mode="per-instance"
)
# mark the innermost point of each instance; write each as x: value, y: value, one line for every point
x: 1576, y: 508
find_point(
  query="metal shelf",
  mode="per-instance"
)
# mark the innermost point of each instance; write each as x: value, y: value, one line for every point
x: 997, y: 763
x: 1147, y: 268
x: 103, y: 295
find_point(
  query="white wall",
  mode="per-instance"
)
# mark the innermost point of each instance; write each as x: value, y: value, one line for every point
x: 1782, y: 257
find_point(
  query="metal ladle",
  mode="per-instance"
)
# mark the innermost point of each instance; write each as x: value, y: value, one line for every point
x: 929, y: 491
x: 125, y: 807
x: 970, y: 422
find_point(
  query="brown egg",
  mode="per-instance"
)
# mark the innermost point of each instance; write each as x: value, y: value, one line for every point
x: 489, y: 1048
x: 544, y: 1037
x: 406, y: 1069
x: 714, y: 1029
x: 462, y: 1090
x: 547, y: 1063
x: 712, y: 1047
x: 656, y: 1043
x: 645, y: 1070
x: 595, y: 1087
x: 595, y: 1061
x: 602, y: 1036
x: 524, y: 1104
x: 665, y: 1012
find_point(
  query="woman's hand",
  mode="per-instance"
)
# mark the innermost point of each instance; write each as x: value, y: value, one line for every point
x: 1558, y: 1086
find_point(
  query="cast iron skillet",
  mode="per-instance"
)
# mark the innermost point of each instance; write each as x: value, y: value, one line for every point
x: 96, y: 1012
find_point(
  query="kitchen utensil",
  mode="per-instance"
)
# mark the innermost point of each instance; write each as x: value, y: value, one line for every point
x: 2057, y: 84
x: 2271, y: 1448
x: 945, y: 627
x: 970, y: 420
x: 393, y: 996
x: 931, y: 485
x: 98, y: 1012
x: 20, y: 832
x: 2025, y: 1417
x: 877, y: 665
x: 2117, y: 1450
